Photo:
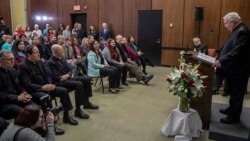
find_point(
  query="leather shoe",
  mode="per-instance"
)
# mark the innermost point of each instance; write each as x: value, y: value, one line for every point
x: 58, y: 131
x: 70, y: 120
x: 91, y: 106
x: 120, y: 87
x: 225, y: 111
x: 112, y: 90
x: 125, y: 83
x: 81, y: 114
x: 229, y: 120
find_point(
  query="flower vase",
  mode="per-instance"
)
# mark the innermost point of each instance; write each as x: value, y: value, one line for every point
x: 184, y: 104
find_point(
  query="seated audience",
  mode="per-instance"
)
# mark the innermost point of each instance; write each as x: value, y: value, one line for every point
x: 143, y: 58
x: 25, y: 127
x: 12, y: 96
x: 98, y: 66
x: 36, y: 81
x: 133, y: 69
x: 61, y: 75
x: 113, y: 57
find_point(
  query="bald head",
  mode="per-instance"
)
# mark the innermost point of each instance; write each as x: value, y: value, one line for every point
x: 57, y: 51
x: 118, y: 38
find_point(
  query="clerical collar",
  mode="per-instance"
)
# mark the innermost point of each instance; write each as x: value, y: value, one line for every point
x: 58, y: 58
x: 4, y: 69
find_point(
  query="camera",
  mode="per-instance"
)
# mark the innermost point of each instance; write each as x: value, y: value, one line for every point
x: 46, y: 105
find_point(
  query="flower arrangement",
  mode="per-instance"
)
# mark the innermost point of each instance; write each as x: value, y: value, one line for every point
x: 186, y: 81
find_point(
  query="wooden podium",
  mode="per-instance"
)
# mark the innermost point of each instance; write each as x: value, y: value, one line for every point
x: 203, y: 104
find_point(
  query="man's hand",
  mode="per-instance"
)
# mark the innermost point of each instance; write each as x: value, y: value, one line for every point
x: 24, y: 97
x: 48, y: 87
x: 64, y: 77
x: 122, y: 64
x: 139, y: 53
x: 216, y: 65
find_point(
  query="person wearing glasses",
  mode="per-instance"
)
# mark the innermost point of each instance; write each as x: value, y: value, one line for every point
x: 12, y: 96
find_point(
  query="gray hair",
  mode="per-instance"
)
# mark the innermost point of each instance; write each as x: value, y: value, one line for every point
x: 3, y: 52
x: 232, y: 17
x: 55, y: 47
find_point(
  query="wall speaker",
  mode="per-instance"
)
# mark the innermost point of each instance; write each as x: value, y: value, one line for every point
x: 198, y: 13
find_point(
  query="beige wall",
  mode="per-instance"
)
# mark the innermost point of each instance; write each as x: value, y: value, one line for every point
x: 18, y: 14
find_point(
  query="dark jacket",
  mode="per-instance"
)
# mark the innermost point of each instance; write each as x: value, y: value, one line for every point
x: 234, y: 54
x: 33, y: 76
x: 47, y: 51
x: 123, y: 51
x: 56, y: 68
x: 7, y: 93
x: 106, y: 35
x: 202, y: 48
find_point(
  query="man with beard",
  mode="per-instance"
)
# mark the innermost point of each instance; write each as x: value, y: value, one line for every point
x: 47, y: 48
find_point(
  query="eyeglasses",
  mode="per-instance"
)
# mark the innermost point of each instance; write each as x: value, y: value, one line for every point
x: 9, y: 59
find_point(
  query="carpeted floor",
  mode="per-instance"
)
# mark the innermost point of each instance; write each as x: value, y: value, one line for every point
x: 137, y: 113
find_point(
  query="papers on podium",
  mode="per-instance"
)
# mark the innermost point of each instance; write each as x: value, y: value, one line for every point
x: 206, y: 58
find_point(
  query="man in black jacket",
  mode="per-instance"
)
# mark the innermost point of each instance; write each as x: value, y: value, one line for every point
x: 62, y: 75
x: 198, y: 46
x: 233, y: 61
x: 12, y: 96
x: 35, y: 80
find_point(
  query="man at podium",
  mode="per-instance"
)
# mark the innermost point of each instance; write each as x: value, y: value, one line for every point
x: 234, y: 57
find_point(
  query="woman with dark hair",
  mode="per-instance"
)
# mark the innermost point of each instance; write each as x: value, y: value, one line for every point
x: 98, y: 66
x: 92, y: 31
x: 79, y: 56
x: 27, y: 122
x: 112, y: 55
x: 143, y: 58
x: 59, y: 30
x: 18, y: 51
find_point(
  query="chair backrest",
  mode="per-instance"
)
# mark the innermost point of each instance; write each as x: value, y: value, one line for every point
x: 212, y: 52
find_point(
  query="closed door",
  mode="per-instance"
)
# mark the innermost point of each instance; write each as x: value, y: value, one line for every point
x: 150, y: 34
x: 80, y: 18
